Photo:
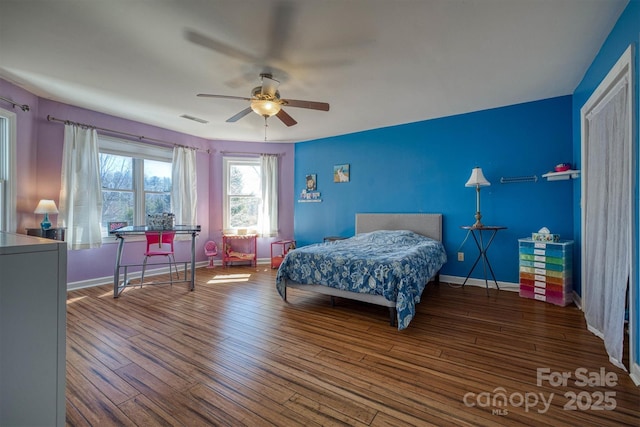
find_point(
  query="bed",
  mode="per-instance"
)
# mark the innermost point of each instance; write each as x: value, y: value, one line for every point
x: 388, y: 262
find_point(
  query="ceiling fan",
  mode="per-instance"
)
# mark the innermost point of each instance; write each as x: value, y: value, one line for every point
x: 265, y: 101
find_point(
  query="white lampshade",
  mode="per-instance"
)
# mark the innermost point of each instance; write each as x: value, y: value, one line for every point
x: 477, y: 179
x: 46, y: 206
x: 265, y: 107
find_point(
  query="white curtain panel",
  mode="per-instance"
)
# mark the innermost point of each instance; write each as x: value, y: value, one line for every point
x: 268, y: 218
x: 607, y: 221
x: 184, y: 195
x: 81, y: 192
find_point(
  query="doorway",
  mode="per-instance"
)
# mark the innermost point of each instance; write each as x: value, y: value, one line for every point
x: 607, y: 227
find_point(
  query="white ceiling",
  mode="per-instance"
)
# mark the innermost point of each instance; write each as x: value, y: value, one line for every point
x: 377, y: 62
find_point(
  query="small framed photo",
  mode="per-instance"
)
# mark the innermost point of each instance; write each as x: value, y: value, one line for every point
x: 341, y: 173
x: 311, y: 184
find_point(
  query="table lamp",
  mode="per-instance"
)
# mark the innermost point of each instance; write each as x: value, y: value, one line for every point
x: 46, y: 207
x: 477, y: 180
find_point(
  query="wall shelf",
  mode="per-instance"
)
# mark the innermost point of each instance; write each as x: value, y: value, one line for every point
x: 559, y: 176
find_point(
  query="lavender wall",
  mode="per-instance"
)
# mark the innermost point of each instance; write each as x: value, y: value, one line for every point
x: 39, y: 161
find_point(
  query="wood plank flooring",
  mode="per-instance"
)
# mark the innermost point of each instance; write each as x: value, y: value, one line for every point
x: 232, y: 353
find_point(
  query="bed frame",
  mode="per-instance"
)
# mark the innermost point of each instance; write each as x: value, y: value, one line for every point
x: 429, y: 225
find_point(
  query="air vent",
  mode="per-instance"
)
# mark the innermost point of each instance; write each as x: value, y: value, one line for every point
x: 195, y: 119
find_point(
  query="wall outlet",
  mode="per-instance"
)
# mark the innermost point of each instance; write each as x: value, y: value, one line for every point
x: 460, y: 256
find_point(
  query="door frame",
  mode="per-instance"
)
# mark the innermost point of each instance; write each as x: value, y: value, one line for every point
x: 623, y: 68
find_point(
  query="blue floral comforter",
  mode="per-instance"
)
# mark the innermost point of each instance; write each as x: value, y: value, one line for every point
x: 394, y: 264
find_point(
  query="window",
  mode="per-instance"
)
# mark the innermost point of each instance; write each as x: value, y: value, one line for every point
x: 136, y: 181
x: 7, y: 171
x: 242, y: 194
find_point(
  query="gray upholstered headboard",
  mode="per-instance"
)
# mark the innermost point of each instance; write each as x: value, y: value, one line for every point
x: 429, y: 225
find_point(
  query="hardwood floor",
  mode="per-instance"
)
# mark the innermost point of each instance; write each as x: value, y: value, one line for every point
x: 233, y: 353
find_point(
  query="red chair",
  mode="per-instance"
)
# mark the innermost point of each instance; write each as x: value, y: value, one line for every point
x: 160, y: 243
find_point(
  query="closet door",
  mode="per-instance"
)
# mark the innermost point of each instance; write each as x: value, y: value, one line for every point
x: 607, y: 208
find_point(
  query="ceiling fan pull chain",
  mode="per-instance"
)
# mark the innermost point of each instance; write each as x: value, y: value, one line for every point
x: 265, y: 128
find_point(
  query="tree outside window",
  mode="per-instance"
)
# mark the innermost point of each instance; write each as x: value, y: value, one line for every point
x: 133, y: 188
x: 242, y: 193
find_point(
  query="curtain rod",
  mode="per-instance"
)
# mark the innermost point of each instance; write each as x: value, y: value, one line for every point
x: 23, y: 107
x: 117, y: 132
x: 246, y: 153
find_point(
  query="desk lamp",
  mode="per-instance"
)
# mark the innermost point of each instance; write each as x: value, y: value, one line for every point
x: 46, y: 207
x: 477, y: 180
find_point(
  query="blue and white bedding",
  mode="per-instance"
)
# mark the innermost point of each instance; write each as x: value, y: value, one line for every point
x: 396, y: 264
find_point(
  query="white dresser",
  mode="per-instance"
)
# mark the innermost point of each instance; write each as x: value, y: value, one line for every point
x: 33, y: 290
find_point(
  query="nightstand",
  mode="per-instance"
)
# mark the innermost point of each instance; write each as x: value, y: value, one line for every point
x: 54, y: 233
x: 333, y: 238
x: 477, y: 233
x: 279, y: 250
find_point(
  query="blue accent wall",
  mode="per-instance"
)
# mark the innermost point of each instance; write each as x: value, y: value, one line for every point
x: 423, y: 167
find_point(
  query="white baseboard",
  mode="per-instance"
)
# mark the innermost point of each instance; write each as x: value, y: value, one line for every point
x: 106, y: 280
x: 504, y: 286
x: 577, y: 300
x: 634, y: 373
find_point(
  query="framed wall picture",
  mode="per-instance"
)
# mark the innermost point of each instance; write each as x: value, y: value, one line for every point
x: 341, y: 173
x: 311, y: 182
x: 310, y: 192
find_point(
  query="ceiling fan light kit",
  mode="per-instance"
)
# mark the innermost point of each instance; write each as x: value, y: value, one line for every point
x: 265, y: 107
x: 265, y: 101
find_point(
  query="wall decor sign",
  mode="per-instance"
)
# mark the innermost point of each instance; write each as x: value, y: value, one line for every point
x: 341, y: 173
x: 310, y: 192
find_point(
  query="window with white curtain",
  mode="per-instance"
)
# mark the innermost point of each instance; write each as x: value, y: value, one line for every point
x: 241, y: 193
x: 7, y: 171
x: 136, y: 181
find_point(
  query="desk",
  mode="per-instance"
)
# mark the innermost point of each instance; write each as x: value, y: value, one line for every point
x: 476, y: 232
x: 133, y: 230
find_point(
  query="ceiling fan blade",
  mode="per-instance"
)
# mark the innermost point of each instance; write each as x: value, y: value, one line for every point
x: 237, y: 82
x: 312, y: 105
x: 282, y: 17
x: 269, y: 85
x: 209, y: 43
x: 240, y: 115
x: 286, y: 118
x: 208, y: 95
